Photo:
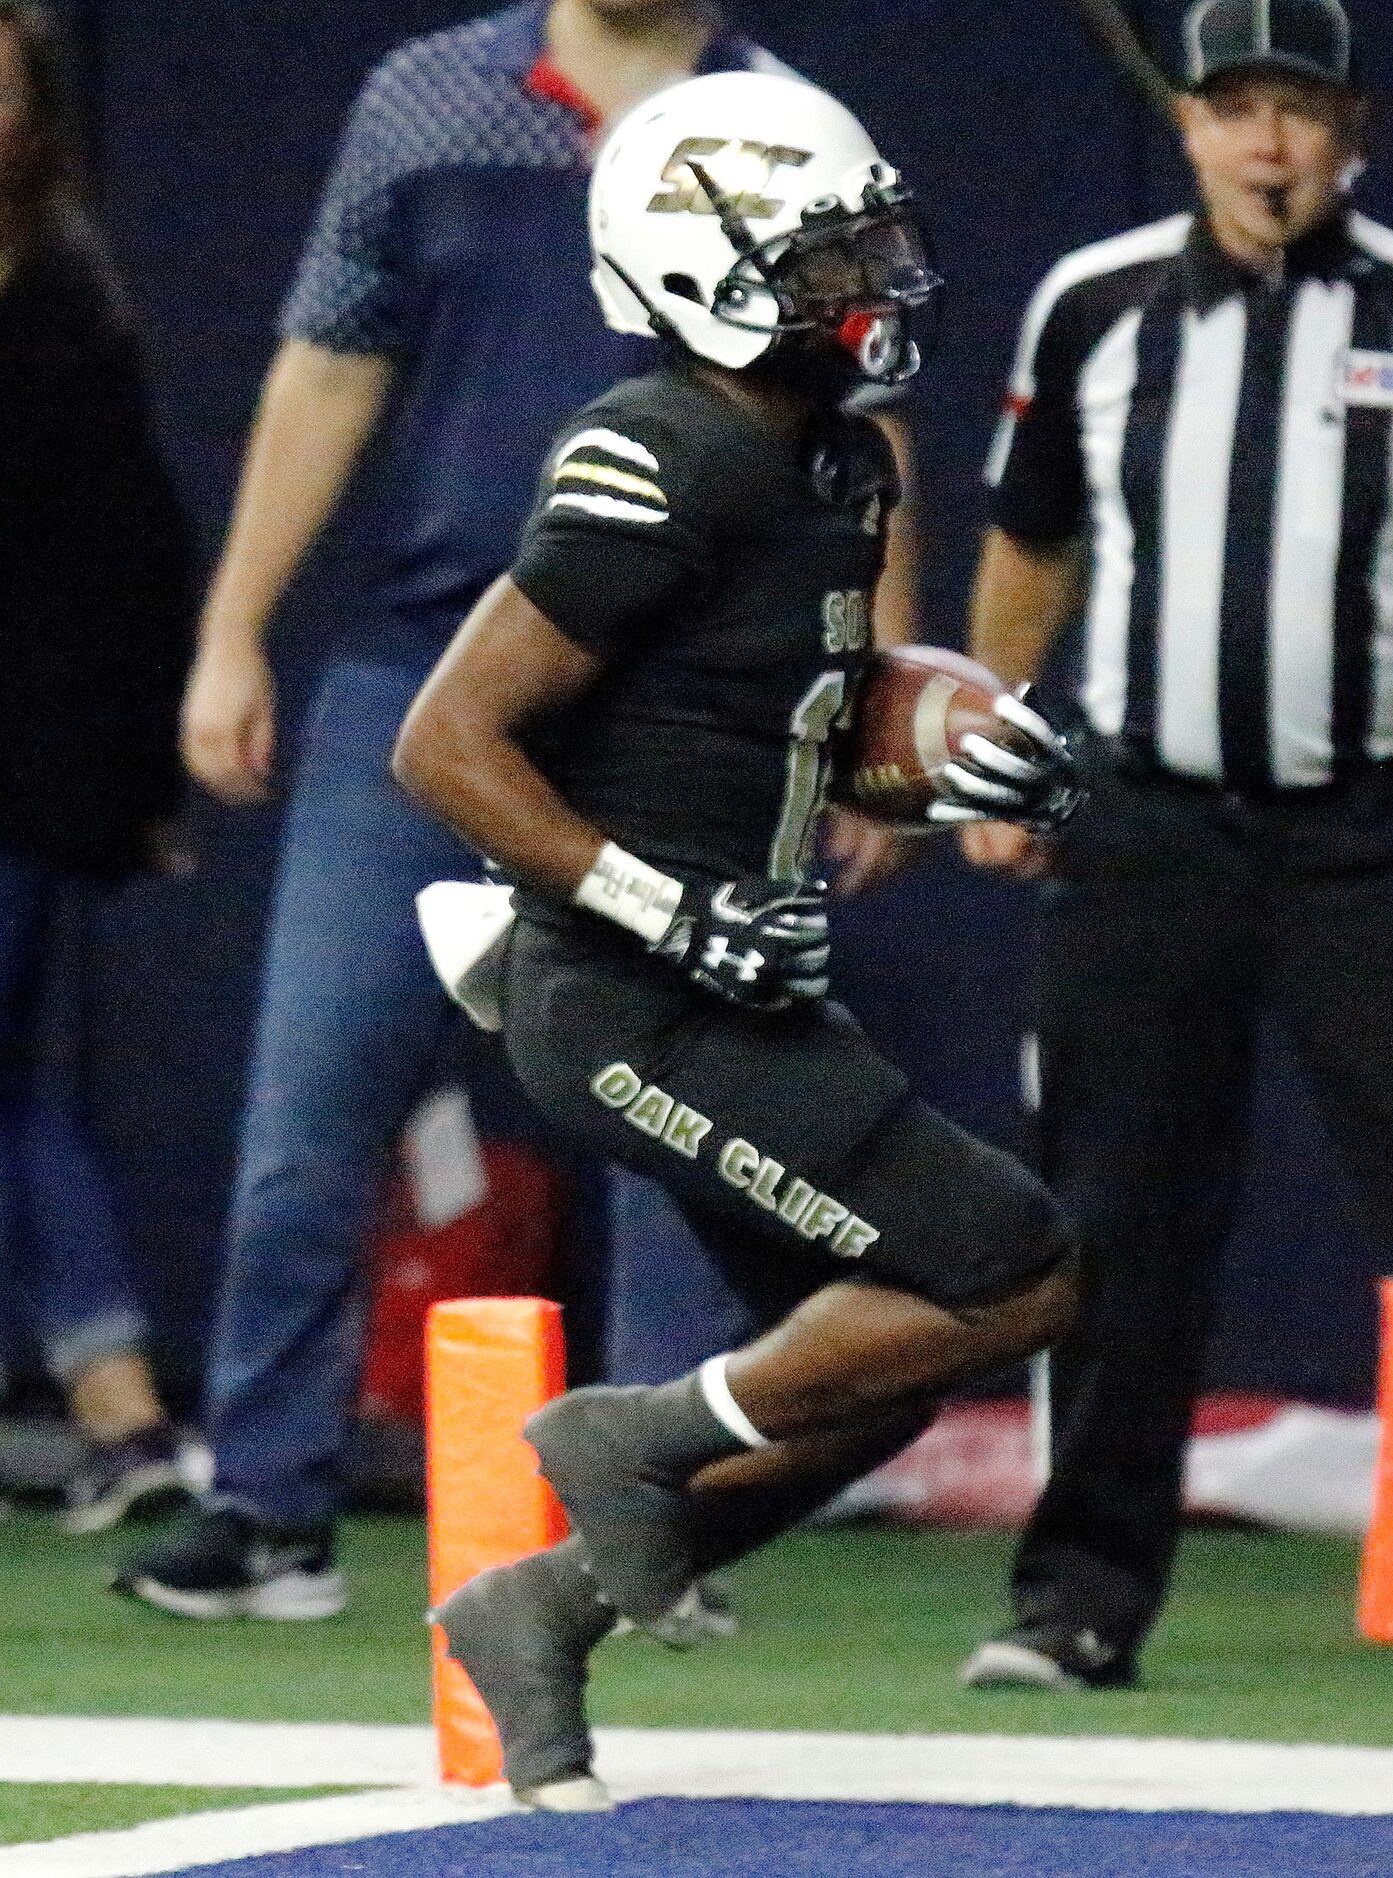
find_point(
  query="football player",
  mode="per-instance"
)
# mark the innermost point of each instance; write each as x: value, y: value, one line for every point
x: 634, y: 725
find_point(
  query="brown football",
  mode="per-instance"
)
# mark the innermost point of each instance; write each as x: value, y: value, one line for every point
x: 914, y: 707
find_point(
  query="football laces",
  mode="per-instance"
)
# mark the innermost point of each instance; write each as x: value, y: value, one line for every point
x: 955, y: 812
x: 808, y: 934
x: 798, y: 925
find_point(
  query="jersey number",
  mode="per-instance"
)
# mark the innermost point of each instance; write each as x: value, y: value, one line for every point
x: 790, y: 854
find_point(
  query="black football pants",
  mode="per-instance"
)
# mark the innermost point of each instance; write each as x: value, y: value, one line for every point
x: 1177, y: 914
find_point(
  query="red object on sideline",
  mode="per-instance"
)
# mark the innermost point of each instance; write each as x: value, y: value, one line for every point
x: 549, y: 81
x: 507, y: 1246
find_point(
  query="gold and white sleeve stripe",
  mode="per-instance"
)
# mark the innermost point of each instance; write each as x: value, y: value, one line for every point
x: 609, y: 468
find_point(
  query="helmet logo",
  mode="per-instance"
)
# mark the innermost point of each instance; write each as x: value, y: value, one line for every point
x: 743, y: 170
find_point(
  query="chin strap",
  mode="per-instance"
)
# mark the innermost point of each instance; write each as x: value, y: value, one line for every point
x: 657, y: 319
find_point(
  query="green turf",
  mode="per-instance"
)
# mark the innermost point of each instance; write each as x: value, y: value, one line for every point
x: 28, y: 1813
x: 69, y: 1647
x: 854, y: 1629
x: 857, y: 1628
x: 864, y: 1629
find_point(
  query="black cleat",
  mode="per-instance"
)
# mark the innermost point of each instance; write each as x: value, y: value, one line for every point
x: 1049, y: 1656
x: 522, y: 1633
x: 630, y: 1512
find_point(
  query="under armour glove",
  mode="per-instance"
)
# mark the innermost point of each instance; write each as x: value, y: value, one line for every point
x: 1033, y: 783
x: 762, y: 943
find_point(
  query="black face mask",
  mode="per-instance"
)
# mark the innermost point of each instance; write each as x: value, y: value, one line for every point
x: 849, y: 279
x: 838, y: 265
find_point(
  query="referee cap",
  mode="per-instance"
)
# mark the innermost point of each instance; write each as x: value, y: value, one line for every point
x: 1310, y: 38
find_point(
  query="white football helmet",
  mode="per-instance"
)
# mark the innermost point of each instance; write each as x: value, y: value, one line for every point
x: 732, y: 210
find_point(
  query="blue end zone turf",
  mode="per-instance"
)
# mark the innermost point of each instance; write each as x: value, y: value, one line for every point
x: 764, y: 1839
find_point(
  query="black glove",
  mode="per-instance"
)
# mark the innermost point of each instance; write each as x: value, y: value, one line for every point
x: 762, y: 943
x: 1036, y: 787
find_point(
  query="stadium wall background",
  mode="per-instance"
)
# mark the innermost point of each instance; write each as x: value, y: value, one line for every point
x: 211, y: 126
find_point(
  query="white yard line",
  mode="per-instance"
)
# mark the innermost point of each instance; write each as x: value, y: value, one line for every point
x: 138, y: 1753
x: 967, y: 1770
x: 1099, y: 1772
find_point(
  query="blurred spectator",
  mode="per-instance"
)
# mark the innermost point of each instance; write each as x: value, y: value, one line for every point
x: 94, y: 638
x: 1210, y: 399
x: 443, y: 310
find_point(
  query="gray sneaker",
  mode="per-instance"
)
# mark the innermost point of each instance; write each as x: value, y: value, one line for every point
x: 703, y: 1614
x: 523, y: 1633
x: 142, y: 1475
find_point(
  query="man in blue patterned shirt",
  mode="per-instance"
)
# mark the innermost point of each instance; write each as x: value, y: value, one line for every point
x: 443, y: 313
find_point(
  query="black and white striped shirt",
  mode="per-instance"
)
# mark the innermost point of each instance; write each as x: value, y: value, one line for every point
x: 1228, y: 445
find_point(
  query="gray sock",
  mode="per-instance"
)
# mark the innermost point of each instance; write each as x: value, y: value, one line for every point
x: 679, y: 1433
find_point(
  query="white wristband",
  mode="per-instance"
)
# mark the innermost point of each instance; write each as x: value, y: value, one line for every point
x: 631, y: 893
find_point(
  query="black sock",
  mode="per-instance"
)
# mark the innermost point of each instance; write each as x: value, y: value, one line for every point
x: 731, y: 1523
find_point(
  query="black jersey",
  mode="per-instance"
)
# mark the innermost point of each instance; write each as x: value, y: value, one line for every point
x: 723, y: 572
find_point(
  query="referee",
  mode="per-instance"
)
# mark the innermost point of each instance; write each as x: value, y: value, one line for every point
x: 1198, y: 435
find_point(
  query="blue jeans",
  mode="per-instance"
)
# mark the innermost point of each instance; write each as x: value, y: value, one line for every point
x: 351, y: 1022
x: 62, y: 1251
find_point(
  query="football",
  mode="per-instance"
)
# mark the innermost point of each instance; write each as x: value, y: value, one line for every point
x: 914, y: 707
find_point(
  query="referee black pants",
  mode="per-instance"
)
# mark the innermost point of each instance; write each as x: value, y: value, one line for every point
x: 1176, y: 916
